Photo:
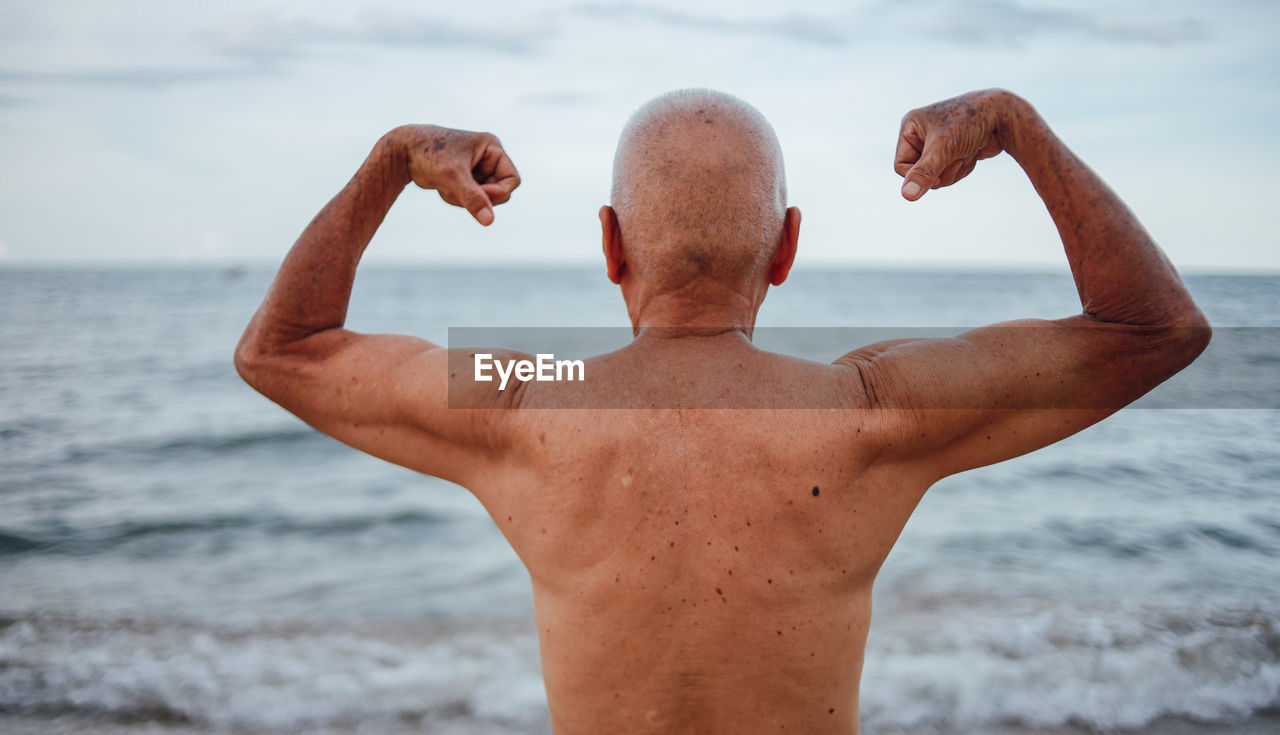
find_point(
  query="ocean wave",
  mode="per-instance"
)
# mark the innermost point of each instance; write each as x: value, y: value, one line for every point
x: 967, y: 667
x: 267, y: 680
x: 181, y: 445
x: 1120, y: 539
x: 66, y: 539
x: 29, y: 426
x: 980, y: 663
x: 13, y: 543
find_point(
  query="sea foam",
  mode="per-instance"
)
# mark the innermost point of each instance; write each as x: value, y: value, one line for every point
x: 962, y: 666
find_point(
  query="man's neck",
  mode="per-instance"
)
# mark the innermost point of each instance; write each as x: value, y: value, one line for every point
x: 691, y: 312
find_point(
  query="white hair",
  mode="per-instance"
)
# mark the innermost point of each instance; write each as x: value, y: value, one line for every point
x: 699, y: 186
x: 668, y: 110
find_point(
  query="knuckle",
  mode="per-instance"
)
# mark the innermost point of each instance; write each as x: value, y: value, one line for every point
x: 455, y: 168
x: 925, y: 169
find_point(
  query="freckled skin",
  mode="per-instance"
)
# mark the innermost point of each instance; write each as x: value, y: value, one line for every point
x: 699, y: 567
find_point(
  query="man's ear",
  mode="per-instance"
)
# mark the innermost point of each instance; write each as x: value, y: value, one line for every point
x: 785, y: 254
x: 615, y: 260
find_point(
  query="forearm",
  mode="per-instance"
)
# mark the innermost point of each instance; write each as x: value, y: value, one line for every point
x: 313, y: 287
x: 1120, y: 272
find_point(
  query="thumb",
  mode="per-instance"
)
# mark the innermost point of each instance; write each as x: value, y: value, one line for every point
x: 477, y: 203
x: 925, y: 173
x: 484, y: 215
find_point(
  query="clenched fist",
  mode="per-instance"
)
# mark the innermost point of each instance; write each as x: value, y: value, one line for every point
x: 941, y: 143
x: 470, y: 170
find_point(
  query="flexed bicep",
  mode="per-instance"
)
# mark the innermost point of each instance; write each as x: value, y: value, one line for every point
x: 1003, y: 390
x: 387, y: 395
x: 1007, y: 389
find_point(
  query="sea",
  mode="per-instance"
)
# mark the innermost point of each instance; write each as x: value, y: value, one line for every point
x: 180, y: 555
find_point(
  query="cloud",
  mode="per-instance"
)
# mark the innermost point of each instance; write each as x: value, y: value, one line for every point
x: 995, y: 22
x: 127, y: 76
x: 792, y: 26
x: 269, y: 39
x: 263, y: 46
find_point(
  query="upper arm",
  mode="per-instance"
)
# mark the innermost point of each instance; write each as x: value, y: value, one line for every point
x: 387, y: 395
x: 1000, y: 391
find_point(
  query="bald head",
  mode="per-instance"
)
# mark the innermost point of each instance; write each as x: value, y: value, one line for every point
x: 699, y: 189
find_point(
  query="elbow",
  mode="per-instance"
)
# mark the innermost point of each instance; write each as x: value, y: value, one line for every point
x: 252, y: 359
x: 1187, y: 337
x: 257, y: 354
x: 246, y: 359
x: 267, y: 364
x: 1202, y: 333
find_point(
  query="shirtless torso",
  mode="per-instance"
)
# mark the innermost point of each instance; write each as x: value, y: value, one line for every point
x: 703, y: 561
x: 702, y: 569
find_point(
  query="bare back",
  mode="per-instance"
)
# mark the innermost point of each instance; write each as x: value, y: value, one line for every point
x: 701, y: 569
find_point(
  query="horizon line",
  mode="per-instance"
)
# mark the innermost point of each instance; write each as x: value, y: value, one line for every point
x: 979, y: 267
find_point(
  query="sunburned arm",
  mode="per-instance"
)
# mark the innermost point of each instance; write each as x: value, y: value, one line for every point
x: 384, y: 394
x: 1007, y: 389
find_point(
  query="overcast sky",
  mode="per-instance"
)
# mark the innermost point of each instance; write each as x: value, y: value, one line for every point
x: 170, y: 130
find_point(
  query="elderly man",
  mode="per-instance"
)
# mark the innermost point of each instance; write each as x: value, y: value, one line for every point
x: 702, y: 560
